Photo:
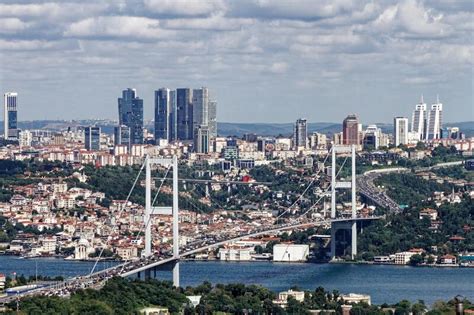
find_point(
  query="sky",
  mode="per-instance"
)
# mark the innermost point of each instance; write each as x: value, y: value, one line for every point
x: 263, y: 61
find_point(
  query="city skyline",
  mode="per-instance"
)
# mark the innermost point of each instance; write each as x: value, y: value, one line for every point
x: 374, y: 59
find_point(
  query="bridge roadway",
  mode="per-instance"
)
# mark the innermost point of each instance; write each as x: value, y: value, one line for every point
x: 97, y: 279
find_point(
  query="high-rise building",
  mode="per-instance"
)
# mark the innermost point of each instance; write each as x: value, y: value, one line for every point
x: 131, y: 114
x: 10, y: 117
x: 418, y: 123
x: 122, y: 136
x: 300, y: 134
x: 400, y: 131
x: 350, y: 130
x: 184, y: 114
x: 372, y: 137
x: 201, y: 139
x: 435, y: 121
x: 173, y: 117
x: 162, y: 115
x: 92, y: 138
x: 200, y: 107
x: 213, y: 119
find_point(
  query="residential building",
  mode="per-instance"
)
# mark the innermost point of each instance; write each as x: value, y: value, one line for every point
x: 10, y: 117
x: 403, y: 258
x: 131, y: 114
x: 300, y: 134
x: 400, y: 131
x: 418, y: 123
x: 92, y: 138
x: 184, y: 114
x: 435, y: 121
x: 350, y: 130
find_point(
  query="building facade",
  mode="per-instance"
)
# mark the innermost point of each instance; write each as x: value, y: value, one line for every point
x: 201, y: 139
x: 300, y: 134
x: 435, y: 121
x: 163, y: 115
x: 184, y: 114
x: 92, y: 138
x: 418, y: 123
x: 131, y: 114
x: 400, y: 131
x: 10, y: 117
x: 350, y: 130
x: 122, y: 136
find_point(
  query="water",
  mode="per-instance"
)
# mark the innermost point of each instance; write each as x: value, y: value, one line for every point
x: 384, y: 283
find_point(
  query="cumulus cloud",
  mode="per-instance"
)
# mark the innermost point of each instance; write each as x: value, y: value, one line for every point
x: 249, y: 45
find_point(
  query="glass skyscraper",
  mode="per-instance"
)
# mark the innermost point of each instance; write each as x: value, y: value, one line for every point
x: 131, y: 114
x: 10, y: 117
x: 184, y: 114
x: 162, y: 115
x: 92, y: 138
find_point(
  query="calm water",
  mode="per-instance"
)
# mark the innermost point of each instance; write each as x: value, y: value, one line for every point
x: 388, y: 284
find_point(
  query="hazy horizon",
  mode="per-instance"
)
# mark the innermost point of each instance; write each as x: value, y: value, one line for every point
x: 263, y: 61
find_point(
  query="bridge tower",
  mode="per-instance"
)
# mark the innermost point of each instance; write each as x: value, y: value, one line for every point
x: 349, y: 224
x: 150, y: 209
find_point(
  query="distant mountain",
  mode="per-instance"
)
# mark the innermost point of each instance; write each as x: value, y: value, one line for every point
x: 226, y: 128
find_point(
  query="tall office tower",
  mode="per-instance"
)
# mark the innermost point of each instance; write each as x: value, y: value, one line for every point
x: 162, y: 115
x: 10, y: 117
x: 350, y: 130
x: 300, y: 134
x: 435, y: 121
x: 201, y: 139
x: 131, y: 114
x: 200, y: 107
x: 184, y: 114
x: 92, y: 138
x: 400, y: 130
x: 173, y: 117
x: 372, y: 137
x: 213, y: 119
x: 122, y: 136
x: 418, y: 122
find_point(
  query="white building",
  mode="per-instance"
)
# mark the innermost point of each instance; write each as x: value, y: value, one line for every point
x: 400, y: 130
x: 24, y: 138
x: 403, y: 258
x: 418, y: 123
x: 435, y: 121
x: 353, y: 298
x: 233, y: 254
x: 290, y: 252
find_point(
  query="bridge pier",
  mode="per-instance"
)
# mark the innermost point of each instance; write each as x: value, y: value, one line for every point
x: 176, y: 274
x: 349, y: 225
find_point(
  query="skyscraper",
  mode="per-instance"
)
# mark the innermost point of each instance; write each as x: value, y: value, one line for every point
x: 300, y: 134
x: 435, y: 121
x: 131, y: 114
x: 418, y: 123
x: 201, y: 139
x: 184, y: 114
x: 10, y: 117
x: 122, y: 136
x: 173, y: 117
x: 200, y: 107
x: 372, y: 137
x: 400, y: 130
x: 213, y: 119
x: 350, y: 130
x: 162, y: 115
x: 92, y: 138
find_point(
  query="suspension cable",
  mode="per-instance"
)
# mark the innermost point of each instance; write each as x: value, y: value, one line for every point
x: 119, y: 215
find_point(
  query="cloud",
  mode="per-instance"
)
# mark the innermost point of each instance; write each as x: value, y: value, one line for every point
x: 185, y: 7
x: 278, y: 67
x: 117, y: 26
x: 12, y: 25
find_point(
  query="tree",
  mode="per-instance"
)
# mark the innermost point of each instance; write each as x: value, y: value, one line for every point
x: 416, y: 260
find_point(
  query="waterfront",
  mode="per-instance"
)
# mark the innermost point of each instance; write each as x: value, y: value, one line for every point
x: 384, y: 283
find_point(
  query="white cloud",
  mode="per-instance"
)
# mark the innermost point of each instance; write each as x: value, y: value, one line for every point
x: 185, y: 7
x: 12, y: 25
x: 118, y: 26
x: 214, y: 22
x: 278, y: 67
